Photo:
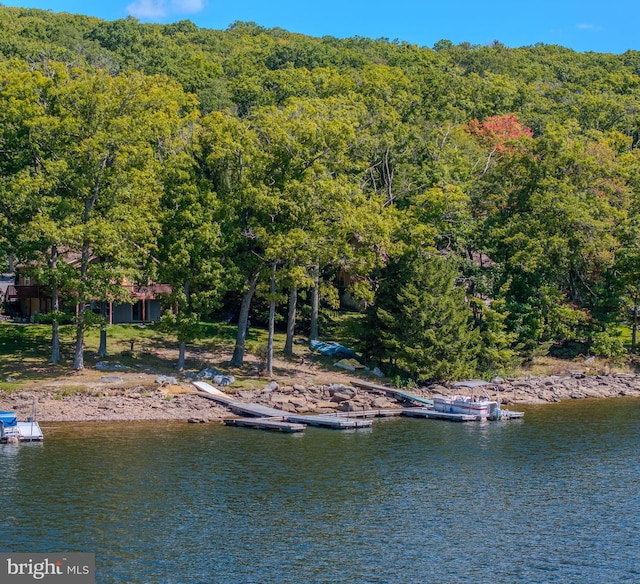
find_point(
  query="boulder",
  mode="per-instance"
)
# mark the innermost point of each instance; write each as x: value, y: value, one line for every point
x: 216, y: 376
x: 324, y: 405
x: 381, y: 403
x: 339, y: 397
x: 352, y: 406
x: 245, y: 395
x: 344, y: 365
x: 345, y: 406
x: 271, y: 386
x: 209, y: 373
x: 324, y: 410
x: 279, y: 400
x: 111, y: 379
x: 165, y: 379
x: 298, y: 401
x: 343, y: 389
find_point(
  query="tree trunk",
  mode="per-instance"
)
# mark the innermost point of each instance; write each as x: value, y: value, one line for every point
x: 291, y: 320
x: 181, y: 355
x: 55, y: 342
x: 78, y: 358
x: 12, y: 266
x: 102, y: 349
x: 272, y: 320
x: 315, y: 303
x: 634, y: 329
x: 55, y: 307
x: 238, y: 352
x: 182, y: 351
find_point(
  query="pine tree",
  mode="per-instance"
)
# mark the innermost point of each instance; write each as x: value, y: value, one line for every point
x: 423, y: 321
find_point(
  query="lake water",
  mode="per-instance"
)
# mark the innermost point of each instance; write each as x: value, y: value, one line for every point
x: 554, y: 497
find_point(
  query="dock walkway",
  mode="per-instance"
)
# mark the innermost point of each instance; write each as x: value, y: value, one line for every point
x: 267, y: 418
x: 267, y: 414
x: 434, y: 415
x: 392, y: 392
x: 278, y: 424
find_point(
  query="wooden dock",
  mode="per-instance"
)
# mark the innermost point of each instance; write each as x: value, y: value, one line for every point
x: 392, y: 392
x: 267, y: 418
x: 433, y: 415
x: 334, y: 421
x: 385, y: 413
x: 276, y: 424
x: 509, y: 415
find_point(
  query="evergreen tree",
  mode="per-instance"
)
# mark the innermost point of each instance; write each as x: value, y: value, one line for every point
x: 422, y: 321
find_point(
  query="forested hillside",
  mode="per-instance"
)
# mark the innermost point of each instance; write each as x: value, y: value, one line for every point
x: 478, y: 204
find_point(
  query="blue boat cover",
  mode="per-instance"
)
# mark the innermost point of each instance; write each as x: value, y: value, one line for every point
x: 331, y: 348
x: 8, y: 419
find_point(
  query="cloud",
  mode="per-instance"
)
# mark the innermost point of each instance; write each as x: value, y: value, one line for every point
x: 187, y: 6
x: 148, y: 9
x: 154, y: 9
x: 585, y: 26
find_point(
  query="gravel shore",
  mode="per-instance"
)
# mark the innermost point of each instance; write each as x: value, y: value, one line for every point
x: 113, y: 401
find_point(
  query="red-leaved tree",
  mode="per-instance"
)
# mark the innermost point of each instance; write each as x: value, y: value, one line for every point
x: 499, y: 132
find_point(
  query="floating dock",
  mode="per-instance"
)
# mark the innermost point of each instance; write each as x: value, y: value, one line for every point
x: 509, y: 415
x: 264, y: 413
x: 433, y: 415
x: 263, y: 417
x: 425, y: 409
x: 276, y: 424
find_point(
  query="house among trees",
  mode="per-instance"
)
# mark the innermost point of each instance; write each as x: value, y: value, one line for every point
x: 26, y: 298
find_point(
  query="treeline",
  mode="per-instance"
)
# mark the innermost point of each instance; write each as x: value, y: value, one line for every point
x: 479, y: 204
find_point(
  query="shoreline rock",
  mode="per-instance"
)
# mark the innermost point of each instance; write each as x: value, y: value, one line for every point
x: 174, y: 402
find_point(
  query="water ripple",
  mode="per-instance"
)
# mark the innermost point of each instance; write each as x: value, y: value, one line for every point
x: 552, y: 498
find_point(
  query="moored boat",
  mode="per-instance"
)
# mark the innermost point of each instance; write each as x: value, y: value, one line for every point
x: 475, y: 402
x: 481, y: 408
x: 12, y: 431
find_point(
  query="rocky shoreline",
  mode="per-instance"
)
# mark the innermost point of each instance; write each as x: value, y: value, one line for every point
x: 160, y: 400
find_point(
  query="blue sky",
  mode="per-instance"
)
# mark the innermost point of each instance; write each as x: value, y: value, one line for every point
x: 583, y: 25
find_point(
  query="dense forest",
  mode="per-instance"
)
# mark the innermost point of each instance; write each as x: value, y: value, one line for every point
x: 478, y: 205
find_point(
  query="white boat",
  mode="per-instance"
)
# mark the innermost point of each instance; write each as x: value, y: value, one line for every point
x: 12, y: 431
x: 474, y: 403
x: 481, y: 408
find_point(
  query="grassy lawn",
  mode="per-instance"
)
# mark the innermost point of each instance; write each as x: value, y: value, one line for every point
x: 25, y: 349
